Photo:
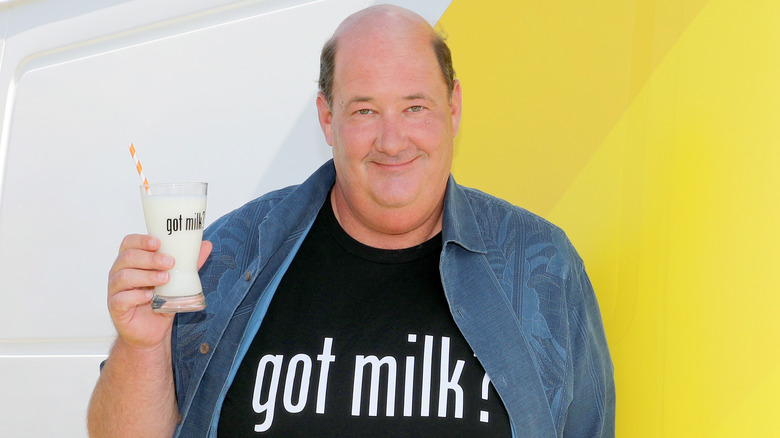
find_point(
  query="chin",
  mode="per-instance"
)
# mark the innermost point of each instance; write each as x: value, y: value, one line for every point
x: 394, y: 202
x: 394, y: 197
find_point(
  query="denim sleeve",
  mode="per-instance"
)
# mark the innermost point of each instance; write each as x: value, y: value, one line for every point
x: 592, y: 409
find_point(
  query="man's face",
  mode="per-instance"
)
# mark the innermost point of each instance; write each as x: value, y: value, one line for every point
x: 391, y: 123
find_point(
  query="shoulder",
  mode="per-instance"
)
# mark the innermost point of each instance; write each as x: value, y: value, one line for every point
x: 487, y: 206
x: 507, y: 228
x: 298, y: 200
x: 235, y: 235
x: 248, y: 213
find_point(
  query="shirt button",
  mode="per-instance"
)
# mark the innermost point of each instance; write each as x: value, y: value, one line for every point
x: 204, y: 348
x: 248, y: 275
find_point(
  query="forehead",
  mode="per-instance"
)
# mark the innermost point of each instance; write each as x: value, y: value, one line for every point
x: 374, y: 60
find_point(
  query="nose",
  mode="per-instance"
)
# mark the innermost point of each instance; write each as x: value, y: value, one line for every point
x: 391, y: 138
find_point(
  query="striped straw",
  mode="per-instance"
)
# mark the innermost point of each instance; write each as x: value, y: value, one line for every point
x: 139, y: 168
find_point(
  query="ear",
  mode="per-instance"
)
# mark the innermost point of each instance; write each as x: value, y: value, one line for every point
x: 326, y: 118
x: 455, y: 107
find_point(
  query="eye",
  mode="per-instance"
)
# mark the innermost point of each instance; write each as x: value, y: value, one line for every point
x: 363, y: 112
x: 416, y: 108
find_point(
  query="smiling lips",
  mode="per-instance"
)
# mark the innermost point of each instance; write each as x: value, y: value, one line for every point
x: 394, y: 165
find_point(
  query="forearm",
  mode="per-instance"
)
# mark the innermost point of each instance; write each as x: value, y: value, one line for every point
x: 135, y: 394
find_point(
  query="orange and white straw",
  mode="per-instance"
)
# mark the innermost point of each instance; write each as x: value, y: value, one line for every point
x: 139, y: 168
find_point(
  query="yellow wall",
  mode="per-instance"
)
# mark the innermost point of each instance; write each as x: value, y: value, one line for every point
x: 650, y: 131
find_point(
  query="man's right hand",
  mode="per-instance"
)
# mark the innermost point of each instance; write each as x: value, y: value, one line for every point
x: 126, y: 402
x: 131, y: 280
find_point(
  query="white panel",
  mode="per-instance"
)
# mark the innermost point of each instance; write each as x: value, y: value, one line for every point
x: 208, y: 90
x: 46, y: 396
x: 218, y: 104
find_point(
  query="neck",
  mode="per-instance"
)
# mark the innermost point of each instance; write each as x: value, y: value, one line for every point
x: 387, y: 228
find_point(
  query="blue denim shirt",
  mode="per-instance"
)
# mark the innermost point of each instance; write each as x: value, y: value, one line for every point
x: 516, y: 288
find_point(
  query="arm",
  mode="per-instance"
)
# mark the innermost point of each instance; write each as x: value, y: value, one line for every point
x: 592, y: 410
x: 135, y: 394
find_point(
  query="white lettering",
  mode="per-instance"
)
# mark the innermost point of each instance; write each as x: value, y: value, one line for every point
x: 409, y: 380
x: 426, y: 383
x: 449, y: 383
x: 266, y: 407
x: 408, y: 386
x: 289, y: 383
x: 357, y: 387
x: 326, y: 358
x: 297, y: 388
x: 484, y: 416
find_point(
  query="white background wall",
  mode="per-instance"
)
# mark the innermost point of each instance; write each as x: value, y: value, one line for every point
x: 208, y: 90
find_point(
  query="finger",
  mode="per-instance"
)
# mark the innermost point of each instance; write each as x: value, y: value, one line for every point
x: 205, y: 251
x: 128, y: 279
x: 141, y: 259
x: 139, y: 241
x: 125, y: 301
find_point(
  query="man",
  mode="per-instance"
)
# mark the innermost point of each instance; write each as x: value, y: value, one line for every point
x: 375, y: 298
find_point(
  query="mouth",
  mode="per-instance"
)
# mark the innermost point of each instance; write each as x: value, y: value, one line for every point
x: 395, y: 165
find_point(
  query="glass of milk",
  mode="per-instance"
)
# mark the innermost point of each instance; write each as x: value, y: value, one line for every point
x: 175, y: 214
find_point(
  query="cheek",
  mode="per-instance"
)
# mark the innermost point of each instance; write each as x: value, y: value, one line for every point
x: 434, y: 136
x: 353, y: 140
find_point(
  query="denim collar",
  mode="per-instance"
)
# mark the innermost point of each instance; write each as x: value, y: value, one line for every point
x: 459, y: 224
x: 295, y: 213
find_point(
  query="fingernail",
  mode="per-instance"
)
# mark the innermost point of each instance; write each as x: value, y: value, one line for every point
x: 167, y: 260
x: 162, y: 276
x: 154, y: 241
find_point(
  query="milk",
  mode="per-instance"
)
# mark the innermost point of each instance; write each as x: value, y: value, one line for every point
x: 177, y: 220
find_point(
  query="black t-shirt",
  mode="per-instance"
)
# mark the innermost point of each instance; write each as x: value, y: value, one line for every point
x: 359, y: 342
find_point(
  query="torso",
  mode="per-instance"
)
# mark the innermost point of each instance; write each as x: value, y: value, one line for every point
x: 344, y: 310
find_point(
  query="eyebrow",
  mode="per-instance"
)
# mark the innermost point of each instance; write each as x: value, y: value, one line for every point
x: 360, y: 99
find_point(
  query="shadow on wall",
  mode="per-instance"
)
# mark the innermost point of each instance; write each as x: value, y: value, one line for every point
x: 305, y: 137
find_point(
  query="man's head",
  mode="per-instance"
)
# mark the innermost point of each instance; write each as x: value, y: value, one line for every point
x: 391, y: 118
x: 328, y: 55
